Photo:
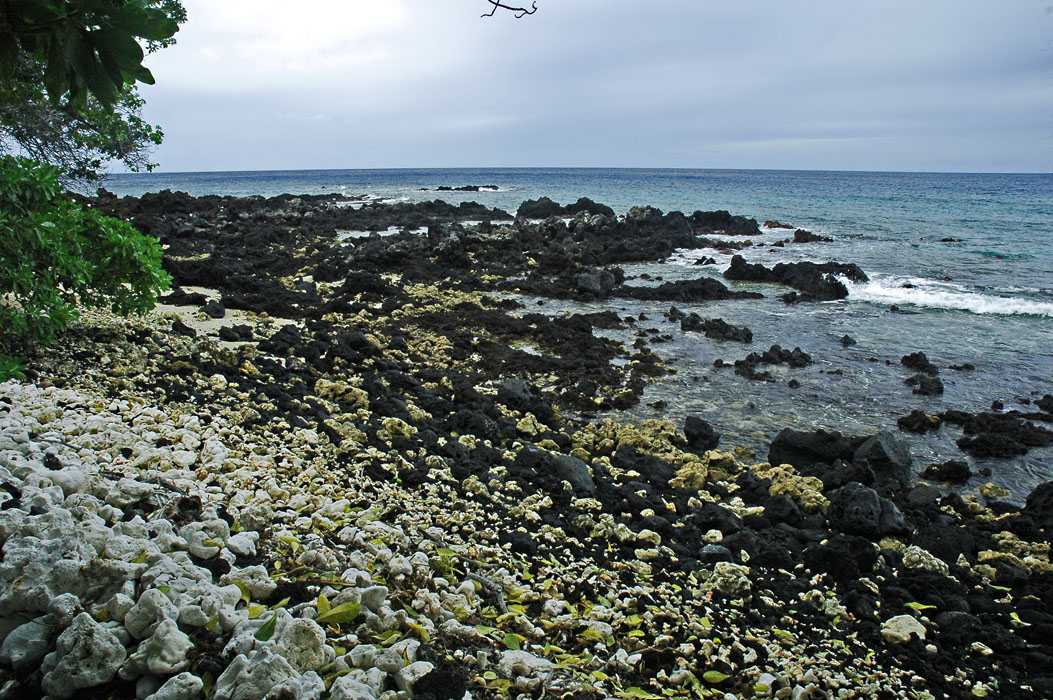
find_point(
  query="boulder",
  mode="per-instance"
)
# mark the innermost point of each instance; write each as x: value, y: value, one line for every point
x: 86, y: 655
x: 1040, y: 505
x: 953, y: 471
x: 802, y: 449
x: 859, y: 510
x: 888, y: 457
x: 539, y: 209
x: 700, y: 434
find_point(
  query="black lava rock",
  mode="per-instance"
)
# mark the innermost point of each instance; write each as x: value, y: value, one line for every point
x: 859, y: 510
x: 700, y: 434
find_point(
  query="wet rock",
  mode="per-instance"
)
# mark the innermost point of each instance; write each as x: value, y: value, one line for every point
x: 716, y: 328
x: 925, y: 385
x: 888, y: 457
x: 700, y: 434
x: 1040, y: 505
x: 918, y: 362
x: 859, y: 510
x: 953, y: 471
x: 802, y: 449
x: 802, y: 236
x: 697, y: 290
x: 847, y: 341
x: 816, y: 282
x: 919, y: 422
x: 998, y: 434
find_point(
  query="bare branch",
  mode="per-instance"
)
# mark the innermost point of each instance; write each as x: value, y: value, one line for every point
x: 520, y: 11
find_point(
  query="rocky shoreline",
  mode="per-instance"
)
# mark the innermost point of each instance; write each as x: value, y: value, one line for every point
x: 355, y: 467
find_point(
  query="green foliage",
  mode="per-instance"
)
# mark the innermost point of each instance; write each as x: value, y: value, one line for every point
x: 55, y: 255
x: 11, y: 368
x: 68, y: 76
x: 85, y: 46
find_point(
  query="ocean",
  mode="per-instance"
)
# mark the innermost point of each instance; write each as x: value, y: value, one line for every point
x: 965, y: 259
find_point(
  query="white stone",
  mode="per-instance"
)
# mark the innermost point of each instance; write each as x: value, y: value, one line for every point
x: 347, y: 688
x: 302, y: 643
x: 522, y: 663
x: 86, y: 655
x: 27, y: 644
x: 363, y: 655
x: 243, y: 544
x: 897, y: 630
x: 204, y: 539
x: 144, y: 617
x: 255, y: 578
x: 309, y: 686
x: 408, y: 676
x: 164, y: 653
x: 185, y: 686
x: 730, y: 579
x: 252, y: 677
x: 374, y: 597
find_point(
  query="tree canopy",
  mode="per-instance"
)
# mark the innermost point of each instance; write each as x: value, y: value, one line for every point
x: 68, y: 76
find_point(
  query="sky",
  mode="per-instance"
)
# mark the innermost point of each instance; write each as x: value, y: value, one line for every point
x: 933, y: 85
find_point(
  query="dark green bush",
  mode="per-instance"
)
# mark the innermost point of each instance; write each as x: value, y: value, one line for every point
x: 56, y: 255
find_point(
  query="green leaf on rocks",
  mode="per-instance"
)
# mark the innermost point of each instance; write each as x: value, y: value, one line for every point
x: 591, y: 635
x: 512, y: 641
x: 605, y: 602
x: 345, y: 612
x: 281, y: 603
x: 485, y: 629
x: 207, y: 682
x: 637, y: 692
x: 263, y: 634
x: 246, y: 595
x: 422, y: 633
x: 165, y: 589
x: 213, y: 623
x: 323, y: 605
x: 446, y: 552
x: 919, y: 606
x: 633, y: 620
x: 714, y: 677
x: 256, y: 610
x: 490, y: 676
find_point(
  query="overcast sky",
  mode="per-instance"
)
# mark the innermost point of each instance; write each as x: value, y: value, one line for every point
x: 945, y: 85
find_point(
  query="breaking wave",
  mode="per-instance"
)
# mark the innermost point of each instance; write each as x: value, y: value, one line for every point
x: 942, y: 295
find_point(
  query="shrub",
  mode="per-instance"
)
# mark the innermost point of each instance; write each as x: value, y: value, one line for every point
x: 56, y: 255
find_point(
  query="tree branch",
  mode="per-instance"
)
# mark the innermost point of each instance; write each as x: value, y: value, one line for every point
x: 520, y: 11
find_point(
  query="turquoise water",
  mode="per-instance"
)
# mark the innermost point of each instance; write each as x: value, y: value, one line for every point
x: 985, y: 297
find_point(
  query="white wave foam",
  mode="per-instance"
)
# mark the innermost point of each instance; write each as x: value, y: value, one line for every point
x: 942, y: 295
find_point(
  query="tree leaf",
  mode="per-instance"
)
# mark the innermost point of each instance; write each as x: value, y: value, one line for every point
x: 264, y: 633
x: 323, y: 605
x: 343, y: 613
x: 715, y: 677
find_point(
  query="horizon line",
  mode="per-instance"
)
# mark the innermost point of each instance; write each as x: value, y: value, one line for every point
x: 584, y: 167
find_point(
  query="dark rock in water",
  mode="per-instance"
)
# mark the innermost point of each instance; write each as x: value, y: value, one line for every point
x: 214, y: 309
x: 802, y: 449
x: 539, y: 209
x: 918, y: 362
x: 919, y: 422
x: 952, y: 471
x: 1040, y: 505
x: 714, y: 553
x: 587, y: 205
x: 888, y: 457
x: 180, y: 328
x: 802, y: 236
x: 859, y: 510
x: 847, y: 340
x: 467, y: 188
x: 775, y: 355
x: 723, y: 222
x: 706, y: 261
x: 964, y: 367
x: 716, y: 328
x: 595, y: 282
x: 925, y: 385
x: 998, y: 434
x: 1046, y: 403
x: 776, y: 224
x: 700, y: 434
x: 702, y: 289
x: 816, y: 282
